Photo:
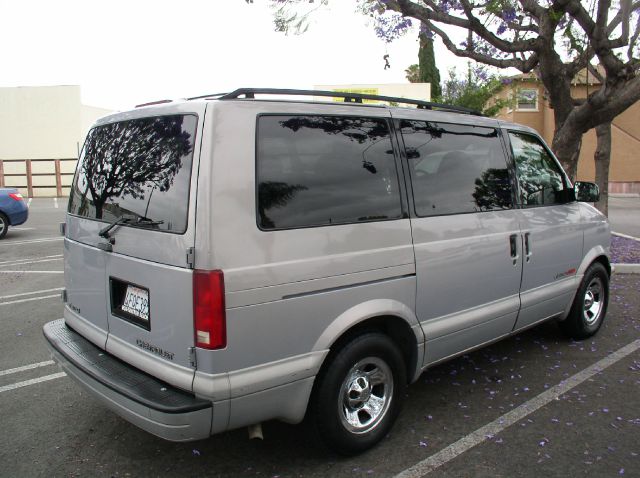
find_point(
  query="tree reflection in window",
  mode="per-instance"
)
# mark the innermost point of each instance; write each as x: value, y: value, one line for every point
x: 319, y: 170
x: 125, y: 163
x: 456, y: 168
x: 539, y: 177
x: 274, y: 194
x: 493, y: 190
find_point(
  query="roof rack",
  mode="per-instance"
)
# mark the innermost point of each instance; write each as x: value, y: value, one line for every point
x: 214, y: 95
x: 250, y: 93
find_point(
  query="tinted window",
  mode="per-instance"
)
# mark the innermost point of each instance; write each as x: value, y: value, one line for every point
x: 318, y: 170
x: 456, y: 169
x: 540, y: 179
x: 140, y: 168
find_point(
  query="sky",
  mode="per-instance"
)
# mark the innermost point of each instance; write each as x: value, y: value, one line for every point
x: 126, y: 52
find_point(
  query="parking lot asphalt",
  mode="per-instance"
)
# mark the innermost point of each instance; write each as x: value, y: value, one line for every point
x: 532, y: 405
x: 624, y: 214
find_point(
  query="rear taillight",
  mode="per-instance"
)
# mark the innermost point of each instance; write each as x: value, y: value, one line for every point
x: 15, y: 196
x: 209, y: 318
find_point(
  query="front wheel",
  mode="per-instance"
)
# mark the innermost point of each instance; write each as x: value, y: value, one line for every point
x: 590, y: 304
x: 359, y: 393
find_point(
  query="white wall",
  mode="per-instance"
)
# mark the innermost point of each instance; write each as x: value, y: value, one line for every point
x: 88, y: 116
x: 42, y: 124
x: 39, y: 122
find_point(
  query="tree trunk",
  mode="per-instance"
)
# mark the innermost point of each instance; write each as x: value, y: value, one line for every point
x: 566, y: 145
x: 602, y: 159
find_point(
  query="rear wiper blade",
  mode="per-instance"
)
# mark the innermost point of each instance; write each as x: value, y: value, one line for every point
x: 145, y: 221
x: 104, y: 232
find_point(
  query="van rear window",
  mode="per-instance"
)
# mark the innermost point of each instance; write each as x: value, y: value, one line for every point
x: 139, y: 168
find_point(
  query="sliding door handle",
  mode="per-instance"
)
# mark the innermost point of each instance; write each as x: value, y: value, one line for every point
x: 513, y: 247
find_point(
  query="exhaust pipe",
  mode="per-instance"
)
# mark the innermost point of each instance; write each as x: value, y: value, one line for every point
x: 255, y: 431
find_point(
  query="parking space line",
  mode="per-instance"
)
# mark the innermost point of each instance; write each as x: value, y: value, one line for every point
x: 33, y: 381
x: 32, y: 272
x: 22, y: 294
x: 55, y: 203
x: 20, y: 228
x: 30, y: 259
x: 29, y: 300
x: 20, y: 263
x: 29, y: 201
x: 482, y: 434
x: 31, y: 241
x: 26, y: 367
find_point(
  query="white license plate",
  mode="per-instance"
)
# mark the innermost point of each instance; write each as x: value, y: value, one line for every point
x: 136, y: 302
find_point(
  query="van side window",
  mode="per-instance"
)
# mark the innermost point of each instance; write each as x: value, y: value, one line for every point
x: 541, y: 181
x: 322, y: 170
x: 456, y: 168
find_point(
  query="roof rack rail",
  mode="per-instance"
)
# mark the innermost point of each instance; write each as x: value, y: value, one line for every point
x: 214, y: 95
x: 347, y: 97
x: 150, y: 103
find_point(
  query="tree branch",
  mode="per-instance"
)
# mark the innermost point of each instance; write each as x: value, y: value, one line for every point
x: 607, y: 103
x: 582, y: 61
x: 412, y: 9
x: 533, y: 8
x: 524, y: 65
x: 634, y: 39
x: 619, y: 17
x: 577, y: 11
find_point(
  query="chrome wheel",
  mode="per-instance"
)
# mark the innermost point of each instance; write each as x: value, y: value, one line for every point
x: 593, y: 301
x: 365, y: 395
x: 3, y: 226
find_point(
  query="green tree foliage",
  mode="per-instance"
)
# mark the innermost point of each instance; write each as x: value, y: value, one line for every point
x: 428, y: 72
x: 413, y: 73
x: 477, y: 90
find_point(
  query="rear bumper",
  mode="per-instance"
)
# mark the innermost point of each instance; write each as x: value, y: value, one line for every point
x: 18, y: 217
x: 146, y: 402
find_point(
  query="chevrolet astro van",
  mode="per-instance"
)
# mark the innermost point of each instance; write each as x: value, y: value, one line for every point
x: 260, y: 255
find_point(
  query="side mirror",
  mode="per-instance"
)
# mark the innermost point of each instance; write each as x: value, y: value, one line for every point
x: 587, y: 192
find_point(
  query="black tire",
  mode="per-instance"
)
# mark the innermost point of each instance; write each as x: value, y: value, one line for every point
x: 4, y: 225
x: 590, y: 304
x: 365, y: 374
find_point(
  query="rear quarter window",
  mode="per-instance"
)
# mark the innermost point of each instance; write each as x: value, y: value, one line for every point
x: 139, y: 167
x: 324, y: 170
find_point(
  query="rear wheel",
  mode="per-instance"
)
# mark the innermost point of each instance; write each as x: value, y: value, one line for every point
x: 4, y: 225
x: 590, y: 304
x: 359, y: 393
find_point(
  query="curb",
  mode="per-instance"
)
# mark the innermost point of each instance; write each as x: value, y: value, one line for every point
x: 626, y: 236
x: 625, y: 268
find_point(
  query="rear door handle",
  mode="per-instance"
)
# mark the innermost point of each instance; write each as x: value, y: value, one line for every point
x: 527, y: 247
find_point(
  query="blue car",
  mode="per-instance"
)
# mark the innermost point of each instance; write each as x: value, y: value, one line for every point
x: 13, y: 209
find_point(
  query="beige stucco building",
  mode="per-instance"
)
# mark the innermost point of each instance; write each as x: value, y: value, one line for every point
x: 531, y: 107
x: 41, y: 132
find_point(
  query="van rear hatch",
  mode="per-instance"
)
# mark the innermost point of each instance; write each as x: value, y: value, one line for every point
x: 130, y: 227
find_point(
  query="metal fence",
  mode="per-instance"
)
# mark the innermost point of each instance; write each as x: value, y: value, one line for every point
x: 38, y: 177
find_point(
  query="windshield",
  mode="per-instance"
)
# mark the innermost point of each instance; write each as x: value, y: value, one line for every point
x: 139, y: 168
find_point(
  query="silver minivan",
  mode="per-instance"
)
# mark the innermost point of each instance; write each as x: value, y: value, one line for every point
x: 232, y: 259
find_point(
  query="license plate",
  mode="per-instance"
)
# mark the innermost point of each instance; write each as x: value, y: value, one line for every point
x: 136, y: 302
